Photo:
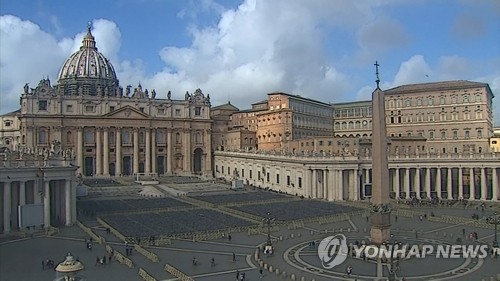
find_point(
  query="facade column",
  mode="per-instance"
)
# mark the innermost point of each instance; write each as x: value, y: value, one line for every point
x: 449, y: 182
x: 494, y: 184
x: 187, y: 151
x: 46, y: 204
x: 438, y: 183
x: 325, y: 184
x: 340, y: 178
x: 484, y: 186
x: 105, y: 149
x: 136, y: 150
x: 208, y: 159
x: 170, y: 151
x: 22, y: 193
x: 397, y: 183
x: 147, y: 165
x: 417, y: 183
x: 331, y: 186
x: 37, y: 197
x: 460, y: 183
x: 118, y: 152
x: 407, y: 182
x: 79, y: 150
x: 98, y: 152
x: 153, y: 151
x: 427, y: 184
x: 68, y: 202
x: 7, y: 206
x: 472, y: 189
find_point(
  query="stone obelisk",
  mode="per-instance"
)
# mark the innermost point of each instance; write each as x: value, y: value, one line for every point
x: 381, y: 211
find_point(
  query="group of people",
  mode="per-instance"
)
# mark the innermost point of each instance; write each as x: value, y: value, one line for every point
x: 48, y: 264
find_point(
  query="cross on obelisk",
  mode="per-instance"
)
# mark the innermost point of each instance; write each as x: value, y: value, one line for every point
x: 381, y: 211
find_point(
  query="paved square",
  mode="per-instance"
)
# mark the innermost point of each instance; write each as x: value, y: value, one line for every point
x: 222, y: 229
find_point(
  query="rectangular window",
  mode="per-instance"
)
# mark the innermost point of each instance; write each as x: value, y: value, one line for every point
x: 7, y: 123
x: 161, y: 111
x: 197, y: 111
x: 111, y: 108
x: 287, y: 180
x: 177, y: 112
x: 268, y: 176
x: 443, y: 135
x: 89, y: 108
x: 479, y: 134
x: 320, y: 143
x: 250, y: 172
x: 141, y: 109
x: 455, y: 135
x: 42, y: 105
x: 300, y: 182
x: 431, y: 135
x: 277, y: 178
x: 467, y: 134
x: 69, y: 108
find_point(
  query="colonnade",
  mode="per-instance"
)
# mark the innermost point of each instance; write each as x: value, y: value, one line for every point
x: 350, y: 178
x: 48, y: 194
x: 471, y: 183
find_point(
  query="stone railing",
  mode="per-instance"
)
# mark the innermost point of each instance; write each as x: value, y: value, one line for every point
x: 90, y: 233
x: 119, y: 257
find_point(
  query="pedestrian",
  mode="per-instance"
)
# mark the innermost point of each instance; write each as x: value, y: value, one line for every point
x: 349, y: 270
x: 43, y: 265
x: 234, y: 257
x: 104, y: 259
x: 396, y: 218
x: 97, y: 261
x: 237, y: 275
x: 212, y: 261
x: 261, y: 273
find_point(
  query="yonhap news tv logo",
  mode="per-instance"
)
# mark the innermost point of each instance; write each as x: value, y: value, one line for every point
x: 333, y: 251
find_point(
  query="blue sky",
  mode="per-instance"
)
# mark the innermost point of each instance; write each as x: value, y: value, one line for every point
x: 241, y: 50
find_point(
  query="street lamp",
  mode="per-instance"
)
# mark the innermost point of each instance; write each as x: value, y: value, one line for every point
x: 495, y: 220
x: 392, y: 270
x: 268, y: 220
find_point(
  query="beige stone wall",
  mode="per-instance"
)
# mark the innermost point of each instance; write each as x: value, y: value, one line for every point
x: 10, y: 135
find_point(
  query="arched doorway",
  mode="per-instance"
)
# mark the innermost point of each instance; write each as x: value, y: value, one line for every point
x: 197, y: 160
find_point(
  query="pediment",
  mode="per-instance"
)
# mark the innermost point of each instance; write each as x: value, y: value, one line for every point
x: 127, y: 112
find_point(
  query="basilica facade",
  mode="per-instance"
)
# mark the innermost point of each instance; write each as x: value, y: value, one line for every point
x: 112, y: 130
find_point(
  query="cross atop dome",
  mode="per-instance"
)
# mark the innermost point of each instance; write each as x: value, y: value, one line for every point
x: 88, y: 39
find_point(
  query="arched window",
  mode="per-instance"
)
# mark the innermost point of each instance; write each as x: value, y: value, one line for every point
x: 69, y: 137
x: 42, y: 136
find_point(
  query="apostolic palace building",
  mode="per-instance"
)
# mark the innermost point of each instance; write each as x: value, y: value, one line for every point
x: 440, y: 135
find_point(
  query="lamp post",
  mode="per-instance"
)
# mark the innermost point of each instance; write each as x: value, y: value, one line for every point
x: 495, y: 220
x: 392, y: 270
x: 268, y: 220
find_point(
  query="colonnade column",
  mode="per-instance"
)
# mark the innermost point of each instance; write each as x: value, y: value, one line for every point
x: 326, y: 182
x: 416, y: 183
x: 484, y: 186
x: 68, y: 202
x: 449, y: 182
x: 312, y: 184
x: 340, y: 178
x: 153, y: 151
x: 46, y: 204
x: 427, y: 184
x: 407, y: 182
x: 170, y: 151
x: 494, y: 184
x: 105, y: 149
x: 148, y: 152
x: 136, y: 150
x: 7, y: 207
x: 438, y: 183
x: 98, y: 152
x: 331, y: 185
x: 397, y: 183
x: 118, y: 152
x: 79, y: 150
x: 460, y: 183
x: 22, y: 193
x: 355, y: 186
x: 472, y: 189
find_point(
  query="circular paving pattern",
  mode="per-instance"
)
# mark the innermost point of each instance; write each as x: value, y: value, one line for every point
x: 305, y: 258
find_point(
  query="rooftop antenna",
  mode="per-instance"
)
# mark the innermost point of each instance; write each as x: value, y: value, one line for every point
x: 376, y: 73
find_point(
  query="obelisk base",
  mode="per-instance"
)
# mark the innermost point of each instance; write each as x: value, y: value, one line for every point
x: 381, y: 227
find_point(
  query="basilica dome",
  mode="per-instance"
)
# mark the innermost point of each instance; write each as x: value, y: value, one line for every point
x: 87, y: 71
